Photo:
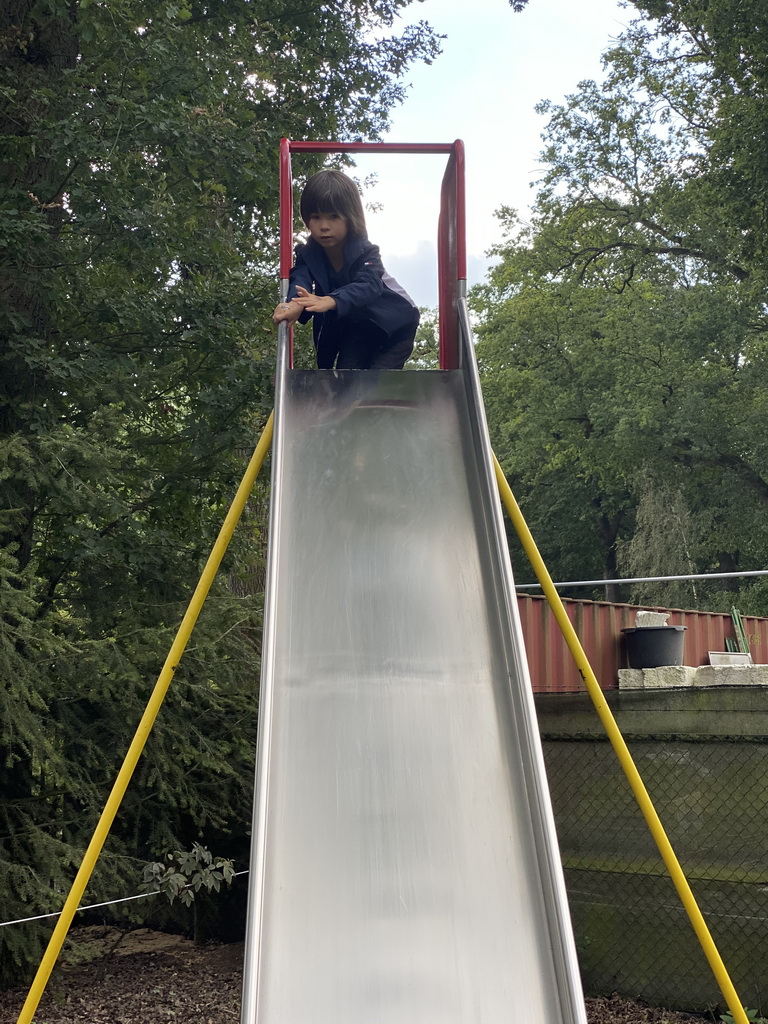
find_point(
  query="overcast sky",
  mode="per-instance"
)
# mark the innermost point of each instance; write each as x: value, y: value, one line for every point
x: 495, y: 66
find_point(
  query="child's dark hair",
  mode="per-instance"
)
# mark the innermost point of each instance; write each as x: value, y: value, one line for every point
x: 333, y: 192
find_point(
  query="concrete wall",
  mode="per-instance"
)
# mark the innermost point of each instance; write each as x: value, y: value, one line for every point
x: 703, y: 755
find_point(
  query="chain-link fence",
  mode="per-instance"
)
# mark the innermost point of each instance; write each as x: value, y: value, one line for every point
x: 632, y: 933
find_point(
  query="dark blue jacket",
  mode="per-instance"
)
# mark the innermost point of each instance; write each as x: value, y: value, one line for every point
x: 371, y: 293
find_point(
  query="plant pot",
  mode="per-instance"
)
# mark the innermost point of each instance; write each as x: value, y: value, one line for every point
x: 654, y: 646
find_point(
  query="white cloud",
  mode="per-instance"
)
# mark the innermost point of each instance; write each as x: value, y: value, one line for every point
x: 495, y: 66
x: 417, y: 272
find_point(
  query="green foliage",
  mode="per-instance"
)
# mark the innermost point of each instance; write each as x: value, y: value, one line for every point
x: 426, y: 349
x: 660, y: 169
x: 138, y: 219
x: 751, y: 1015
x: 622, y: 337
x: 184, y: 873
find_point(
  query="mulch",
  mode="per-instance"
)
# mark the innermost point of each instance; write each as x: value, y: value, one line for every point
x: 147, y: 977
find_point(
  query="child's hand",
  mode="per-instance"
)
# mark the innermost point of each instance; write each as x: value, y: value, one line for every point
x: 315, y: 303
x: 289, y: 311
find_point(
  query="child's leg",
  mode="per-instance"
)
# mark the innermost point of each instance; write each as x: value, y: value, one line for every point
x: 358, y: 345
x: 393, y: 355
x: 326, y: 351
x: 363, y: 346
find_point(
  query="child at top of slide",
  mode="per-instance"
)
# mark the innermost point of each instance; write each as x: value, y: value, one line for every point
x: 362, y: 318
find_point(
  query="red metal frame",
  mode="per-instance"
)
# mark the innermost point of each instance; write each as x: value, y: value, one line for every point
x: 451, y: 235
x: 599, y: 625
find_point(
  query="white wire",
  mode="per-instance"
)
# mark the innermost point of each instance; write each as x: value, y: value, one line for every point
x: 91, y: 906
x: 649, y: 579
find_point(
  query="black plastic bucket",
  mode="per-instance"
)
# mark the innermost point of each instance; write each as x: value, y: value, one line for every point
x: 654, y: 646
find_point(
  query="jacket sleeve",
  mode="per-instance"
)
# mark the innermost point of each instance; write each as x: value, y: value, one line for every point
x: 365, y: 286
x: 300, y: 276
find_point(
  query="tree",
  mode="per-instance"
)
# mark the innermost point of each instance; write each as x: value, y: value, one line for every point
x: 629, y: 316
x: 665, y: 543
x: 662, y: 165
x: 138, y: 212
x: 544, y: 357
x: 426, y: 349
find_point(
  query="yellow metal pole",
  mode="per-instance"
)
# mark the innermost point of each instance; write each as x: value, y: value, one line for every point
x: 145, y: 727
x: 622, y: 752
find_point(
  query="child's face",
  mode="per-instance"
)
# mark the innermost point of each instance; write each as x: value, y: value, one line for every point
x: 328, y: 229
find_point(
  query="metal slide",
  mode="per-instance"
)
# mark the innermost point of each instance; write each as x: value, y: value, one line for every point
x: 405, y: 868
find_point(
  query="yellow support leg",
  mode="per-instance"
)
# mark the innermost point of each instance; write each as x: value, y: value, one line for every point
x: 145, y: 727
x: 622, y: 752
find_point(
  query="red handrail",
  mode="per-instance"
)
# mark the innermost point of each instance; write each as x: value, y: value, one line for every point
x: 371, y: 147
x: 451, y: 256
x: 286, y: 210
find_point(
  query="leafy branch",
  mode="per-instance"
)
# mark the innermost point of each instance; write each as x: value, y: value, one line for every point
x: 183, y: 874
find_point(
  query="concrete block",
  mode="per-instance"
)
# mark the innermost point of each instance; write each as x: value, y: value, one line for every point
x: 732, y: 675
x: 643, y: 618
x: 668, y: 677
x: 631, y: 679
x: 675, y: 677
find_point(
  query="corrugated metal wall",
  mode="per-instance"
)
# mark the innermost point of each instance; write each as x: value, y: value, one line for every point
x: 599, y: 624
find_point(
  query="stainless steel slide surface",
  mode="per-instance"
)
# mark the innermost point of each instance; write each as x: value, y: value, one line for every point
x: 404, y: 867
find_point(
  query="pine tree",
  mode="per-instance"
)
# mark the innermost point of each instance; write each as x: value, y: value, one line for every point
x: 138, y: 211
